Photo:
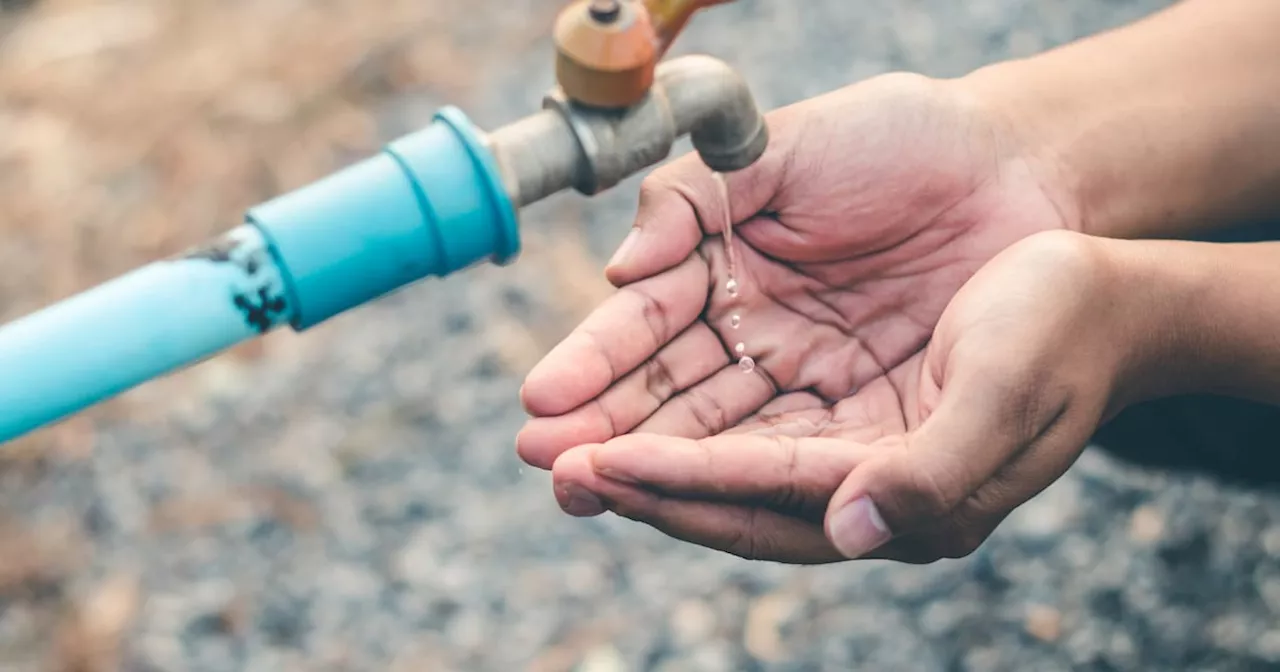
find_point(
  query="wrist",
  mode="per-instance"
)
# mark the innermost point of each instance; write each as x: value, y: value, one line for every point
x: 1200, y: 321
x: 1151, y: 293
x: 1010, y: 93
x: 1159, y: 129
x: 1005, y: 95
x: 1061, y: 131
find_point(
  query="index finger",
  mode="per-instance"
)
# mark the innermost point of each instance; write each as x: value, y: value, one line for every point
x: 680, y: 204
x: 621, y: 334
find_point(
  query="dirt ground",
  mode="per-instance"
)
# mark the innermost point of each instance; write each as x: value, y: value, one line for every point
x: 348, y: 498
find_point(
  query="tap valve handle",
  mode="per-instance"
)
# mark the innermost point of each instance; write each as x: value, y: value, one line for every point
x: 607, y: 51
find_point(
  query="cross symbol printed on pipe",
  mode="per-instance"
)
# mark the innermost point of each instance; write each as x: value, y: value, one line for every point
x: 259, y: 315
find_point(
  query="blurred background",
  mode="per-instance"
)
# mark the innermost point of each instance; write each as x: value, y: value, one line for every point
x: 349, y: 499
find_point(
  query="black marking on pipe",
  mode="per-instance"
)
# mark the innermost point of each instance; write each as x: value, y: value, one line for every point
x: 220, y: 251
x: 259, y: 315
x: 217, y: 250
x: 261, y: 304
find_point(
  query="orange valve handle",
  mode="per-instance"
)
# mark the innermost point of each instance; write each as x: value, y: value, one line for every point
x: 670, y: 17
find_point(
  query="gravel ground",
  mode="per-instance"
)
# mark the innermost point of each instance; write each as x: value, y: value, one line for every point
x: 349, y: 499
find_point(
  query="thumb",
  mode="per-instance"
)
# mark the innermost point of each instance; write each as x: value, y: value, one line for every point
x: 683, y: 202
x: 934, y: 477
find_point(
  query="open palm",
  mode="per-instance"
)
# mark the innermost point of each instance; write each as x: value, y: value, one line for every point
x: 871, y: 208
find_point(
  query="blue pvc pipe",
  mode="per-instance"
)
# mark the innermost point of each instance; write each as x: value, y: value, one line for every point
x: 430, y: 204
x: 144, y: 324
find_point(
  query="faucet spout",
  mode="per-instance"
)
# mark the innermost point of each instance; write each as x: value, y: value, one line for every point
x: 713, y: 104
x: 590, y: 149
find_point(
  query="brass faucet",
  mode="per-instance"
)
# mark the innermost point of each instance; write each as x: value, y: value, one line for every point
x: 607, y: 50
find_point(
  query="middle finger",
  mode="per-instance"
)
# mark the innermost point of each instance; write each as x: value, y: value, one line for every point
x: 690, y: 358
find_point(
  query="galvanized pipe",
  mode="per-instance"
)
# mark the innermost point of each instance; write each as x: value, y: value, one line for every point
x: 539, y: 156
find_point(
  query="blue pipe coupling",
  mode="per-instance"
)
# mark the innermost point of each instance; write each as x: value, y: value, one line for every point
x: 431, y: 204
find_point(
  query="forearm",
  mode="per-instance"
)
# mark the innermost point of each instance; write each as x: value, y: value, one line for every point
x: 1205, y: 318
x: 1163, y: 128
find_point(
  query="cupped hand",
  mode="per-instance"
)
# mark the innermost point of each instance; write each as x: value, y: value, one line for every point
x: 872, y: 206
x: 1031, y: 355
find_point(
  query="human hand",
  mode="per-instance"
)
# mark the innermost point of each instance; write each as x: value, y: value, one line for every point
x: 1040, y: 346
x: 871, y: 207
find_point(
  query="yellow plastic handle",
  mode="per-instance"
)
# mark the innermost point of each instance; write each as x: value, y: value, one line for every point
x: 671, y: 16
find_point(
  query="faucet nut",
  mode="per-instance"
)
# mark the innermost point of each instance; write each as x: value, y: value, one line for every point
x: 605, y: 11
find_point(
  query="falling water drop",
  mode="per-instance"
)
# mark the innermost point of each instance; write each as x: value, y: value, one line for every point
x: 727, y: 225
x: 745, y: 363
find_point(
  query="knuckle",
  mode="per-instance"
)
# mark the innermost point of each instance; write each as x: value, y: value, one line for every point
x: 789, y: 494
x: 663, y: 183
x: 656, y: 316
x: 653, y: 185
x: 928, y: 494
x: 608, y: 415
x: 597, y: 344
x: 748, y: 542
x: 659, y: 380
x: 706, y: 410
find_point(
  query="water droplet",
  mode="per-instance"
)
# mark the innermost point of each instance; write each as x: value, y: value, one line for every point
x: 740, y: 348
x: 735, y: 321
x: 731, y: 287
x: 747, y: 364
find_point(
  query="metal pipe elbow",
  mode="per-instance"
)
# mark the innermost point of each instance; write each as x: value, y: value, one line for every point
x: 711, y: 102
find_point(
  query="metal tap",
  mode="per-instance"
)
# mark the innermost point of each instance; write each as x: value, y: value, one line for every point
x: 617, y: 109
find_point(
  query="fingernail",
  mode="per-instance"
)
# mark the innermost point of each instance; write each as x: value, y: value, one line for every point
x: 579, y: 502
x: 625, y: 248
x: 858, y: 529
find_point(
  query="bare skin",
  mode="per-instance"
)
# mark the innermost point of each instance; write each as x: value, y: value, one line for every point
x: 844, y: 266
x: 935, y: 292
x: 845, y: 269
